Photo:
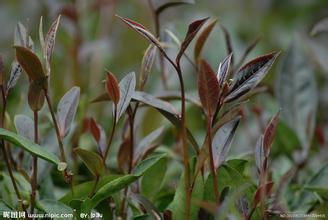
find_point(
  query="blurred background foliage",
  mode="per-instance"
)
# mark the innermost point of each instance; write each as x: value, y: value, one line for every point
x: 90, y: 39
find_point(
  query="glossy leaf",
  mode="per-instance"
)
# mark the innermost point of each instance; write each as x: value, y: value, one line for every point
x: 154, y: 102
x: 193, y: 29
x: 36, y: 95
x: 202, y: 38
x: 170, y: 4
x: 269, y: 134
x: 66, y: 109
x: 259, y: 154
x: 29, y: 62
x: 147, y: 141
x: 112, y: 87
x: 50, y: 40
x: 127, y: 87
x: 152, y: 179
x: 267, y: 189
x: 208, y: 88
x: 92, y: 160
x: 15, y: 73
x: 147, y: 163
x: 222, y: 141
x: 24, y: 126
x: 223, y: 71
x: 146, y: 65
x: 53, y: 206
x: 28, y: 145
x: 297, y: 92
x: 250, y: 75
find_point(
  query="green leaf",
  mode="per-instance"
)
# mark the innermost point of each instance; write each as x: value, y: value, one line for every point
x: 178, y: 204
x: 53, y: 206
x: 4, y: 208
x: 66, y: 109
x: 127, y: 87
x: 30, y: 63
x: 152, y: 179
x: 146, y: 164
x: 82, y: 190
x: 92, y: 160
x: 319, y: 182
x: 28, y: 145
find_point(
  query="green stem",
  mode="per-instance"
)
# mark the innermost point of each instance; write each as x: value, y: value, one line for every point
x: 111, y: 135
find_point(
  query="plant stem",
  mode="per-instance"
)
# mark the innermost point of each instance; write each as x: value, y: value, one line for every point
x: 4, y: 150
x: 215, y: 180
x: 35, y: 164
x: 131, y: 123
x: 111, y: 135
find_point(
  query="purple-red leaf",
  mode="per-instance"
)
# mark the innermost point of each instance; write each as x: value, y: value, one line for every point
x: 224, y: 70
x: 50, y: 40
x: 191, y: 33
x: 250, y: 75
x: 202, y: 39
x: 112, y: 87
x: 170, y: 4
x: 261, y: 193
x: 30, y: 62
x: 36, y: 95
x: 259, y: 154
x: 269, y: 133
x: 208, y: 88
x: 94, y: 129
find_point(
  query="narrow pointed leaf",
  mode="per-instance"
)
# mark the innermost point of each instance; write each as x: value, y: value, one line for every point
x: 142, y: 31
x: 67, y: 108
x: 150, y: 208
x: 170, y: 4
x: 223, y: 71
x: 41, y: 36
x: 259, y: 154
x: 112, y: 87
x: 28, y: 145
x: 222, y: 141
x: 146, y: 65
x: 202, y: 39
x: 267, y: 189
x: 20, y: 35
x: 92, y: 160
x: 50, y: 40
x: 228, y: 42
x: 208, y: 88
x: 250, y: 75
x: 154, y: 102
x: 30, y: 62
x: 101, y: 98
x: 98, y: 134
x: 269, y: 133
x: 127, y: 87
x: 15, y: 73
x: 193, y: 29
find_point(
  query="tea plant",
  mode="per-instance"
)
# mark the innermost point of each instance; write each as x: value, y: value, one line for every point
x: 141, y: 182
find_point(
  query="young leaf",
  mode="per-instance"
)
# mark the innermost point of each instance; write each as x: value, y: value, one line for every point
x: 202, y: 39
x: 112, y: 87
x: 67, y: 108
x: 28, y: 145
x: 269, y: 133
x: 147, y: 141
x: 35, y: 95
x: 15, y: 72
x: 223, y: 71
x: 92, y: 160
x: 250, y: 75
x: 266, y: 190
x: 170, y: 4
x: 101, y: 98
x: 191, y: 33
x: 208, y: 88
x: 127, y: 87
x: 142, y: 31
x: 24, y: 126
x: 20, y: 35
x: 98, y: 134
x: 41, y: 37
x: 222, y: 141
x: 259, y: 154
x: 146, y: 65
x: 50, y: 40
x: 30, y: 62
